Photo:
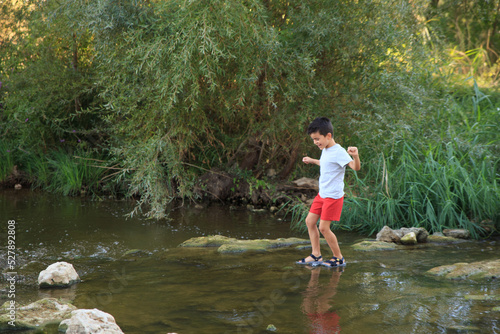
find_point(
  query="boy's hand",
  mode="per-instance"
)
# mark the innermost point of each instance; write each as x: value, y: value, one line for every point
x: 307, y: 160
x: 353, y: 151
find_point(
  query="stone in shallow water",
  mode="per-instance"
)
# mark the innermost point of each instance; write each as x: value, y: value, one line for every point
x: 37, y: 314
x: 58, y: 275
x: 90, y: 321
x: 409, y: 239
x: 231, y: 245
x: 373, y: 246
x: 483, y: 270
x: 457, y: 233
x: 482, y: 297
x: 442, y: 239
x: 208, y: 241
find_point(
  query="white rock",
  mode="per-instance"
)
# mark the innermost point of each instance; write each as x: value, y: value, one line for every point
x: 85, y: 321
x: 59, y: 274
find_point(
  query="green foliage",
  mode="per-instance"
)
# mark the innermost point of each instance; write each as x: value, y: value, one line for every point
x: 66, y: 173
x: 46, y: 69
x: 167, y: 89
x: 6, y: 161
x: 448, y: 178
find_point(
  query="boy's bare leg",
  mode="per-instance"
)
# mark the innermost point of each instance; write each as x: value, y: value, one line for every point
x: 330, y: 237
x: 312, y: 228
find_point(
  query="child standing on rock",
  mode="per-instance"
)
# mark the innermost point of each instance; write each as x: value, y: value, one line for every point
x: 327, y: 206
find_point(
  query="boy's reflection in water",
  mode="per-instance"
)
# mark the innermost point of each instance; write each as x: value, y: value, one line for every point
x: 316, y: 303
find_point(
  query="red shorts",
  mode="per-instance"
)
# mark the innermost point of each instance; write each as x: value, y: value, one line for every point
x: 327, y: 208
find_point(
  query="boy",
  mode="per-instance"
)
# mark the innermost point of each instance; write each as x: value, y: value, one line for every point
x: 327, y: 205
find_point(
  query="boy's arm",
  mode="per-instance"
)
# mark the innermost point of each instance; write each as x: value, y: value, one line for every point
x: 355, y: 163
x: 308, y: 160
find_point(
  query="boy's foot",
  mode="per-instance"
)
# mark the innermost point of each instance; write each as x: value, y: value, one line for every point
x: 334, y: 262
x: 311, y: 259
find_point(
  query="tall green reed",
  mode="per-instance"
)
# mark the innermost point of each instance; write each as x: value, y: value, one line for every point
x: 436, y: 189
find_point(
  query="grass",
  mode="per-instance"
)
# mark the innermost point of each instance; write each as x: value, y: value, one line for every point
x: 6, y: 161
x: 446, y: 176
x: 65, y: 173
x: 437, y: 189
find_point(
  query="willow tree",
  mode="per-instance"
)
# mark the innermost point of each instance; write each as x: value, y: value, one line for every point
x: 182, y: 86
x: 218, y: 83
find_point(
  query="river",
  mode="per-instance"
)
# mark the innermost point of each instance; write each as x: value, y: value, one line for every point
x: 158, y: 287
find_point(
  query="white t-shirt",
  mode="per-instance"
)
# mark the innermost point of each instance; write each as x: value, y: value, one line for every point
x: 332, y: 165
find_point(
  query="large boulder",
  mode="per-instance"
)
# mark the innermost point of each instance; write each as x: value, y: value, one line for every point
x: 35, y: 315
x: 86, y: 321
x: 58, y: 275
x: 483, y: 270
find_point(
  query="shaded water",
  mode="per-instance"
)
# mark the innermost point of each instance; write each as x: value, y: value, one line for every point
x: 163, y: 288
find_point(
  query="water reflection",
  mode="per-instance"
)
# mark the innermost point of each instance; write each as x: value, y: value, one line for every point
x: 317, y: 302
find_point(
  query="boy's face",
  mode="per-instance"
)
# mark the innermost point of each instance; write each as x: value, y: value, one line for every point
x: 322, y: 141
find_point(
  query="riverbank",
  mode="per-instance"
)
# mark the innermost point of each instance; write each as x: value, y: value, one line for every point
x: 290, y: 200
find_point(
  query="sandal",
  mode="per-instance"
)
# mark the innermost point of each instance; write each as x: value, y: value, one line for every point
x: 334, y: 262
x: 317, y: 260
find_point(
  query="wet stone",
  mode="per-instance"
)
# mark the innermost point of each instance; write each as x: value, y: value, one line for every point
x: 38, y: 314
x: 231, y: 245
x: 373, y: 246
x: 482, y: 297
x: 483, y: 270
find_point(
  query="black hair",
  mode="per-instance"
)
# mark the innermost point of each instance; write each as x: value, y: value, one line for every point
x: 321, y: 125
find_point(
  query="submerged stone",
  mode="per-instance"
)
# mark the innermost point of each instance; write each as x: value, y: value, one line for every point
x: 35, y: 315
x: 373, y: 246
x: 483, y: 270
x: 442, y: 239
x: 231, y: 245
x: 208, y: 241
x: 482, y: 297
x: 241, y: 246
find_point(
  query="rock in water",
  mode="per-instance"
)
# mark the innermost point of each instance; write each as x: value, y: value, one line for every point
x: 374, y: 246
x: 483, y: 270
x: 90, y: 321
x: 58, y: 275
x: 457, y: 233
x: 386, y: 234
x: 409, y: 239
x: 36, y: 314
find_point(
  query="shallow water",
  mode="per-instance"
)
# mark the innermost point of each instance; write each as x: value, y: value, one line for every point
x: 163, y: 288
